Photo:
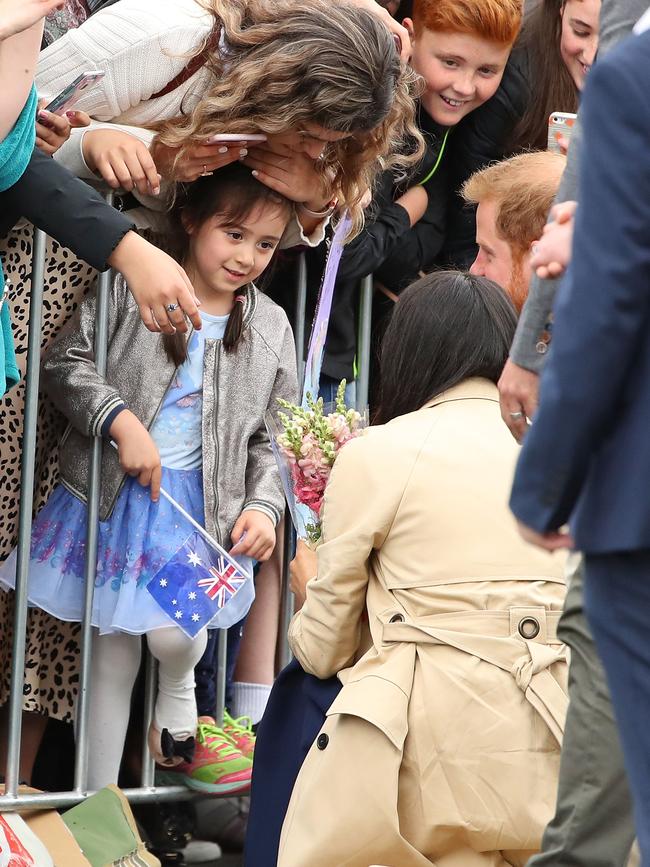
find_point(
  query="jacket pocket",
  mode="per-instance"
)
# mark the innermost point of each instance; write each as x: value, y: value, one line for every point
x: 378, y: 701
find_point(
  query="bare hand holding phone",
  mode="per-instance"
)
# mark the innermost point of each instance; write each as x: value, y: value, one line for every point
x: 53, y: 131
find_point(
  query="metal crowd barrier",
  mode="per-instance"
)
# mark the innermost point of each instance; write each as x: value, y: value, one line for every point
x: 12, y: 799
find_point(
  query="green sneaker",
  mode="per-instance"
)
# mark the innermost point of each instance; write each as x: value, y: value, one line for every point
x: 240, y: 732
x: 218, y: 767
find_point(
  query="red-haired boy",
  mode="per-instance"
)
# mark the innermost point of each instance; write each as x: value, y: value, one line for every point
x: 460, y: 48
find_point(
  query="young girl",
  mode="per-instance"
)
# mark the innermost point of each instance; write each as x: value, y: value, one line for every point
x: 184, y: 412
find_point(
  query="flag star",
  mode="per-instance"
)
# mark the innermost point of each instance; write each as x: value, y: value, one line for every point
x: 194, y: 558
x: 174, y: 601
x: 191, y: 595
x: 163, y: 582
x: 178, y: 615
x: 196, y: 617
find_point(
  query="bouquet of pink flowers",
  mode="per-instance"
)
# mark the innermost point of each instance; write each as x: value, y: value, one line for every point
x: 306, y: 442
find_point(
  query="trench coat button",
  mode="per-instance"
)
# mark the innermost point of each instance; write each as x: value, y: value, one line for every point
x: 322, y: 741
x: 529, y: 627
x: 397, y: 618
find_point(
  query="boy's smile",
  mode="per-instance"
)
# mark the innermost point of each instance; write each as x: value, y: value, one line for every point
x: 461, y: 72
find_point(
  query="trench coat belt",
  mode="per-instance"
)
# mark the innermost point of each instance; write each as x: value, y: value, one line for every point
x: 527, y: 660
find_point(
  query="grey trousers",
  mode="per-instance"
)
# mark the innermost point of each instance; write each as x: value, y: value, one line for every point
x: 593, y: 824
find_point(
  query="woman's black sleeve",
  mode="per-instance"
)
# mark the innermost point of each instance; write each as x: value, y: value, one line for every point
x: 66, y: 208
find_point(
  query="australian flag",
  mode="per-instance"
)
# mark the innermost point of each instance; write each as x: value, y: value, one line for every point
x: 198, y: 583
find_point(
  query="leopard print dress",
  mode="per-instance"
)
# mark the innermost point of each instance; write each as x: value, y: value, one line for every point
x: 52, y: 656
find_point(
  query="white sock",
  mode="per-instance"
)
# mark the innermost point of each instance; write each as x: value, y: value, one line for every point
x: 177, y: 654
x: 249, y: 699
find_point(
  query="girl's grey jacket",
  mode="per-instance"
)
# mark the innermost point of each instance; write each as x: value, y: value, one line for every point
x: 239, y: 387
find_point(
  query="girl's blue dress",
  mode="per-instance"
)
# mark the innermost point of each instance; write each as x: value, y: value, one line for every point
x: 139, y: 537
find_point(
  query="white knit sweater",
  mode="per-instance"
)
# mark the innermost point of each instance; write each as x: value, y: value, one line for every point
x: 141, y: 45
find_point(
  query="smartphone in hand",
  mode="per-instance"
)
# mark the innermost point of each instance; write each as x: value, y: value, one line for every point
x: 235, y: 137
x: 70, y: 94
x: 560, y: 127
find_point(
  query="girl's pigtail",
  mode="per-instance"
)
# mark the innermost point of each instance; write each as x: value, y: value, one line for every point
x: 175, y: 345
x: 235, y: 324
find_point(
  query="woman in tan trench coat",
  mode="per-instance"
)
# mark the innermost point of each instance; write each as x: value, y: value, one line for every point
x: 443, y: 745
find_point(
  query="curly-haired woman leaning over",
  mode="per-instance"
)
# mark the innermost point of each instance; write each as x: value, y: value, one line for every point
x: 321, y: 80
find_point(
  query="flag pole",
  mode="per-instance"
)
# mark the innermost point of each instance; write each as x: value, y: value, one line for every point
x: 187, y: 516
x: 192, y: 521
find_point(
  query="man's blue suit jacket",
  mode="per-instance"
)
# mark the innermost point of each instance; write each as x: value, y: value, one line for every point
x: 587, y: 455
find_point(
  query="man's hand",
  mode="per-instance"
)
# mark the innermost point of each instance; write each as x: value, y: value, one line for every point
x: 553, y: 540
x: 552, y: 253
x: 253, y: 535
x: 518, y: 395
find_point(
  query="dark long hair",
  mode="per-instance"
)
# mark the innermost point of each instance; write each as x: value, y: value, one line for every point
x: 231, y: 193
x: 552, y: 88
x: 446, y: 327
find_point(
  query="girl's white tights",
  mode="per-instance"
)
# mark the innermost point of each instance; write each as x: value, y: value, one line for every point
x: 115, y: 664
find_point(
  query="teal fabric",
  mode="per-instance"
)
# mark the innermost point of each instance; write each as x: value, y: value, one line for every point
x: 15, y: 152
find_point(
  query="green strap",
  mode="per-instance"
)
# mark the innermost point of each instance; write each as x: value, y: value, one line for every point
x: 440, y: 155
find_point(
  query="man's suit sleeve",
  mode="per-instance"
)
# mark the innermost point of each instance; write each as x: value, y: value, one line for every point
x: 603, y: 304
x: 66, y: 208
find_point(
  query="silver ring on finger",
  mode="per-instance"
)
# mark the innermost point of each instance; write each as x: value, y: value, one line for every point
x: 515, y: 416
x: 171, y: 307
x: 205, y: 173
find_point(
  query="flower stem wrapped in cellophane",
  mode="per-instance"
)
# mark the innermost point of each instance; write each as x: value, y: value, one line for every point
x: 306, y: 442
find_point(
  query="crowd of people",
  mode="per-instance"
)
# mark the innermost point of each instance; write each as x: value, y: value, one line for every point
x: 447, y: 703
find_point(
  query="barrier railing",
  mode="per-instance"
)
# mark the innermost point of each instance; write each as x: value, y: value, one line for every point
x: 13, y: 799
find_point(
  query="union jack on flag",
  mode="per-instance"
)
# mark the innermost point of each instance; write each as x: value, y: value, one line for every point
x: 198, y: 583
x: 223, y: 582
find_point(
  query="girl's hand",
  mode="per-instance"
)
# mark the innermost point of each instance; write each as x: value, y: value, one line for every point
x: 122, y: 160
x: 138, y: 454
x: 156, y: 281
x: 303, y: 568
x: 290, y: 173
x: 253, y: 535
x: 19, y: 15
x: 53, y: 130
x: 197, y: 160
